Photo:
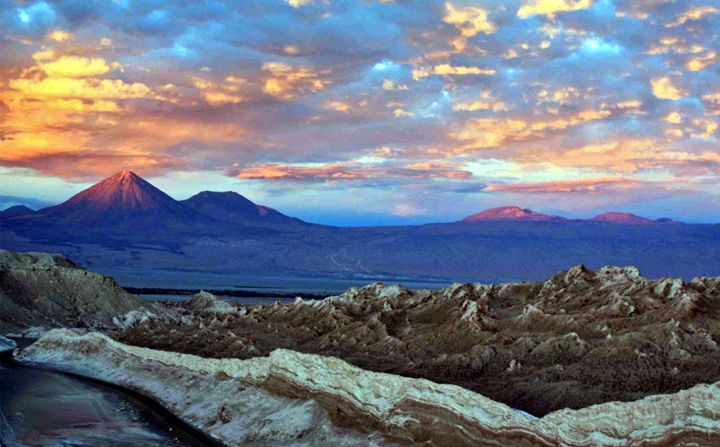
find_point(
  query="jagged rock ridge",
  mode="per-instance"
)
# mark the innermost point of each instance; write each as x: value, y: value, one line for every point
x: 535, y: 346
x: 290, y: 398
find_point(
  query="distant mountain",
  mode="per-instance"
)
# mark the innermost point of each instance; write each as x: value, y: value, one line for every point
x: 16, y: 210
x: 623, y: 218
x: 125, y: 221
x: 512, y: 213
x: 121, y: 200
x: 125, y: 210
x: 234, y: 208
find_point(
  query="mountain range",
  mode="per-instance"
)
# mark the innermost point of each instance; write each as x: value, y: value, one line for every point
x: 125, y: 220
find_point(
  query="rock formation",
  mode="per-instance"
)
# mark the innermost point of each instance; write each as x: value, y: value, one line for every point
x: 580, y: 338
x: 224, y: 398
x: 207, y: 303
x: 292, y: 398
x: 6, y: 344
x: 38, y: 289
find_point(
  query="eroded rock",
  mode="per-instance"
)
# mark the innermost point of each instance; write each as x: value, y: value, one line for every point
x: 580, y: 338
x: 300, y: 399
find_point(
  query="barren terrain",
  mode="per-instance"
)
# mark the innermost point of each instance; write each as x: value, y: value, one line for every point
x: 580, y: 338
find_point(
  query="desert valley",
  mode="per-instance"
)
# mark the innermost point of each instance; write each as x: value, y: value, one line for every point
x: 360, y: 223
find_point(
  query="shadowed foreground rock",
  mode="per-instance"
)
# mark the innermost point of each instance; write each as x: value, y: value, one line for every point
x: 39, y: 289
x: 580, y: 338
x: 299, y: 399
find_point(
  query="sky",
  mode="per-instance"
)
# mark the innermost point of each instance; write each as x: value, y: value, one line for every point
x: 369, y: 111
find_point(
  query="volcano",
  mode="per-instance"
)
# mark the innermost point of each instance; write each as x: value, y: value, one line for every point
x: 127, y: 210
x: 121, y: 200
x: 623, y: 218
x: 234, y: 208
x: 512, y: 213
x: 121, y: 211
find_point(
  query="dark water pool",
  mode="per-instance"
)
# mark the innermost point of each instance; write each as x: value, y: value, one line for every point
x: 45, y: 408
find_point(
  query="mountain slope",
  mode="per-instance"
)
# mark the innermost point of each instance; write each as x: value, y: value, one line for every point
x: 16, y: 210
x: 125, y: 210
x: 234, y: 208
x: 39, y: 289
x: 623, y: 218
x: 124, y: 198
x: 511, y: 213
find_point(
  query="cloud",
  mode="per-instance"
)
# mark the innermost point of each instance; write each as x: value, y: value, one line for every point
x: 58, y: 35
x: 702, y: 62
x: 663, y: 88
x: 694, y: 13
x: 220, y: 93
x: 514, y: 92
x: 75, y: 67
x: 389, y: 84
x: 487, y: 133
x: 298, y: 3
x: 81, y: 88
x: 287, y: 82
x: 495, y: 106
x: 447, y: 70
x: 674, y: 118
x: 469, y: 20
x: 582, y: 186
x: 551, y: 7
x: 344, y: 172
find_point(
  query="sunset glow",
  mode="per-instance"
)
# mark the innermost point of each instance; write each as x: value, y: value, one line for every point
x: 369, y: 111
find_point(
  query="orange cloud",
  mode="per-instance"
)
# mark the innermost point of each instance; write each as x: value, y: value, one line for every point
x: 58, y: 36
x: 587, y: 186
x: 287, y: 82
x: 447, y: 69
x: 75, y: 67
x: 469, y: 20
x: 486, y: 133
x: 352, y: 171
x: 67, y: 116
x: 694, y: 13
x: 551, y: 7
x: 629, y: 156
x: 702, y: 62
x: 217, y: 94
x: 663, y: 88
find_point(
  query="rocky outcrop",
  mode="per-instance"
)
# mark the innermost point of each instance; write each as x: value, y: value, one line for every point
x: 228, y: 399
x: 6, y: 344
x: 580, y: 338
x: 301, y: 399
x: 207, y: 303
x: 39, y: 289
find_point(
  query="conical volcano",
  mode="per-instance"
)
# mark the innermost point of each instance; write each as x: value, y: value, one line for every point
x: 121, y: 200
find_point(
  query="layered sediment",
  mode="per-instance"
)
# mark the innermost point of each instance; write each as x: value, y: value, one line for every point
x: 580, y: 338
x: 289, y: 397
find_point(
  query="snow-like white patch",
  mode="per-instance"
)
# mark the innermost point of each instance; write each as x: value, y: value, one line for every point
x: 205, y: 391
x: 6, y: 344
x: 133, y: 318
